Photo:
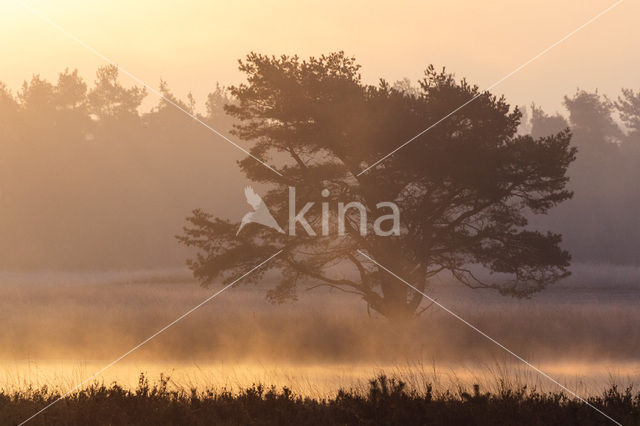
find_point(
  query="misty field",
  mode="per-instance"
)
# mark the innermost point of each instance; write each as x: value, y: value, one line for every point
x: 61, y: 328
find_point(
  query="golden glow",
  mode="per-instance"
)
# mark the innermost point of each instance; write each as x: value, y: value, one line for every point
x: 317, y: 380
x: 194, y: 45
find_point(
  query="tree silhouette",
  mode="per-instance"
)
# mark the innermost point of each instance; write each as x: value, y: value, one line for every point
x: 628, y: 105
x: 463, y: 188
x: 543, y: 124
x: 110, y: 100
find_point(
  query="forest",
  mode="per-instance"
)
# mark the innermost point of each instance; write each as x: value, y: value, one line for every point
x: 99, y: 175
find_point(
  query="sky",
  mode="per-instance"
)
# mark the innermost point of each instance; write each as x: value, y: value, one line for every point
x: 193, y: 45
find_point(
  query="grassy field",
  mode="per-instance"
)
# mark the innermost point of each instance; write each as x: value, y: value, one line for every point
x: 386, y: 401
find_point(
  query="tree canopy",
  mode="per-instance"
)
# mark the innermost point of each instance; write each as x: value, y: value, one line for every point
x: 464, y: 189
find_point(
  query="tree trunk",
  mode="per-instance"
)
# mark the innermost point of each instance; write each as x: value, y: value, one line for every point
x: 399, y: 301
x: 394, y: 299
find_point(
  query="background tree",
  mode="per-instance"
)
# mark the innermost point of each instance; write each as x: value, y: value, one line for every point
x: 600, y: 223
x: 543, y: 124
x: 463, y: 188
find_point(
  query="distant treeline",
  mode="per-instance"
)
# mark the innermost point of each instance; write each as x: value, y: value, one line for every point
x: 87, y: 180
x: 387, y: 402
x: 602, y: 222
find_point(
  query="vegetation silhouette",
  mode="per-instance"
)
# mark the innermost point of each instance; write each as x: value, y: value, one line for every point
x: 463, y: 188
x: 386, y: 402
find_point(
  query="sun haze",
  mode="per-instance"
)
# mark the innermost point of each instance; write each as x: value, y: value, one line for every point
x: 196, y: 45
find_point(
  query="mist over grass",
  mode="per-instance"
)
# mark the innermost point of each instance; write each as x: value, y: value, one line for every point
x: 59, y: 328
x: 68, y: 316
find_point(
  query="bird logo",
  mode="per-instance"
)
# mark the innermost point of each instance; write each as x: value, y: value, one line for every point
x: 260, y: 213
